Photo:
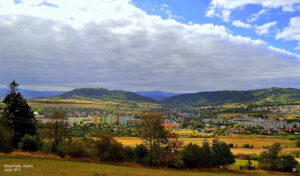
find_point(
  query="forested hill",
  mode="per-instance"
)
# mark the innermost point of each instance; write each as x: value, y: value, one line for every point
x: 105, y: 94
x: 272, y: 95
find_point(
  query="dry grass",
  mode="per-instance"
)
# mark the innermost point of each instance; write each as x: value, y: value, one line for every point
x: 49, y: 167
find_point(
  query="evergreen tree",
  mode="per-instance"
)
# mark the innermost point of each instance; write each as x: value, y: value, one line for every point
x: 17, y: 114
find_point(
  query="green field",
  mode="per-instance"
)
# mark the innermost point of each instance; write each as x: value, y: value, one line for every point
x: 51, y: 166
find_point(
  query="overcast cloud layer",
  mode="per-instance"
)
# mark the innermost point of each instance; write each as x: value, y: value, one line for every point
x: 115, y: 45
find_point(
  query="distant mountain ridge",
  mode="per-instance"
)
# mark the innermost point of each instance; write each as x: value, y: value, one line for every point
x: 105, y: 94
x: 32, y: 93
x: 157, y: 95
x: 278, y: 95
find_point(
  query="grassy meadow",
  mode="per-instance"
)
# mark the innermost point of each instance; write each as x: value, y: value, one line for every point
x: 53, y: 166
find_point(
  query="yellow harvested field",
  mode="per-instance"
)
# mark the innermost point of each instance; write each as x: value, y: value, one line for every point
x: 239, y: 140
x: 257, y: 141
x: 259, y: 150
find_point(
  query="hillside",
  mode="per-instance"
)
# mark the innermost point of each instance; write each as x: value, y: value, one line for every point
x: 157, y: 95
x: 272, y: 95
x: 105, y: 95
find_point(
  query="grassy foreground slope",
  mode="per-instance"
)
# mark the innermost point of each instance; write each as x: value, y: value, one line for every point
x: 272, y: 95
x: 47, y: 167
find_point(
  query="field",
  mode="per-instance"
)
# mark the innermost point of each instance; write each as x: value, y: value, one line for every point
x: 258, y: 141
x: 52, y: 166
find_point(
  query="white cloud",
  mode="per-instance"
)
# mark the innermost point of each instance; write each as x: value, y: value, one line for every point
x: 287, y: 5
x: 291, y: 32
x: 241, y: 24
x: 224, y: 14
x: 217, y: 6
x: 165, y: 5
x: 255, y: 16
x: 113, y: 44
x: 264, y: 29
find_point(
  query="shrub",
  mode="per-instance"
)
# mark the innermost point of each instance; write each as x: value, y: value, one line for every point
x: 108, y: 149
x: 285, y: 163
x: 141, y: 153
x: 128, y: 154
x: 47, y: 147
x: 61, y: 149
x: 29, y: 143
x: 271, y: 160
x: 296, y: 154
x: 6, y: 140
x: 79, y: 149
x: 246, y: 146
x: 249, y: 165
x: 179, y: 164
x: 231, y: 145
x: 298, y: 143
x: 190, y: 155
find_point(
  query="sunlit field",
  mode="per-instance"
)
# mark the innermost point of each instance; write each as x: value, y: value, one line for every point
x: 258, y: 141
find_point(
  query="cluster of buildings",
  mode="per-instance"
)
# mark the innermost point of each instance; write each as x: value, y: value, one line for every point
x: 97, y: 120
x: 287, y: 109
x: 263, y: 126
x: 118, y: 120
x: 266, y: 124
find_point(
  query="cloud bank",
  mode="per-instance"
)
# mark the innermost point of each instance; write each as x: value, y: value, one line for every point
x: 113, y: 44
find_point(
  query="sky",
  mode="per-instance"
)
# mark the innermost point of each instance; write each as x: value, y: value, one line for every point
x: 145, y: 45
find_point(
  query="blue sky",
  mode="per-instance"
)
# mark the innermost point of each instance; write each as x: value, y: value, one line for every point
x: 146, y: 45
x: 195, y: 11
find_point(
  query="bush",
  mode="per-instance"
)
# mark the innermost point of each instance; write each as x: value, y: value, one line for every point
x: 108, y: 149
x: 298, y: 143
x: 231, y: 145
x: 47, y: 147
x: 29, y: 143
x: 61, y: 149
x: 296, y: 154
x: 79, y: 149
x: 141, y: 154
x: 285, y: 163
x: 271, y: 160
x: 246, y: 146
x: 179, y: 164
x: 190, y: 155
x: 6, y: 140
x: 128, y: 154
